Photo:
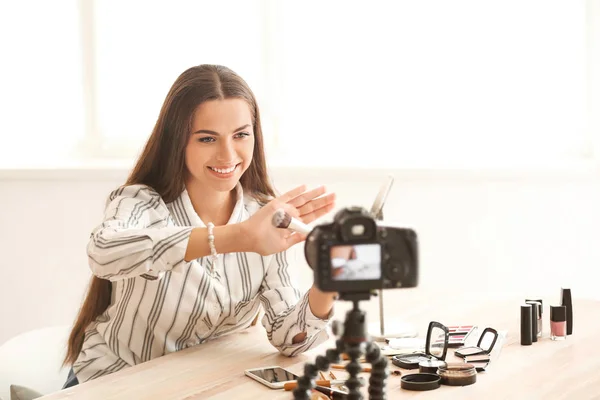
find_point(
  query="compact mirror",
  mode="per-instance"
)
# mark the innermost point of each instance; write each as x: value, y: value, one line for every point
x: 488, y: 340
x: 485, y: 344
x: 436, y: 343
x: 436, y: 346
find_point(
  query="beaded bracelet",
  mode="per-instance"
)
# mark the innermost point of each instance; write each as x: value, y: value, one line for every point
x: 211, y: 244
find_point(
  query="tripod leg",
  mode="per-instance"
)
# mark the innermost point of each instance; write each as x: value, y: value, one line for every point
x: 322, y: 363
x: 379, y: 372
x: 354, y: 351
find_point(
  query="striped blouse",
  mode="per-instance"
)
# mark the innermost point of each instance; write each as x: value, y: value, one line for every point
x: 161, y: 303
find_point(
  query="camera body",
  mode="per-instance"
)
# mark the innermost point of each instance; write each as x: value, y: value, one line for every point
x: 354, y: 254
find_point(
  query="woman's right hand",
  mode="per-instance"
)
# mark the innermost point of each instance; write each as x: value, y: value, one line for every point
x: 265, y: 239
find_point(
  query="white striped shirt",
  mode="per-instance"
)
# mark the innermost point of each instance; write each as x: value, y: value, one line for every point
x: 161, y: 303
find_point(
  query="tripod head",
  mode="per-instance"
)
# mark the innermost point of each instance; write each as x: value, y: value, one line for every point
x: 354, y: 330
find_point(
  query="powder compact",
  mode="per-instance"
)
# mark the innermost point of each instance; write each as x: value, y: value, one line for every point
x: 436, y: 346
x: 431, y: 366
x: 479, y: 355
x: 457, y: 374
x: 420, y: 382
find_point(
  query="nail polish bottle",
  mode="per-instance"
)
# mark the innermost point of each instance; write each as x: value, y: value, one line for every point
x: 558, y: 322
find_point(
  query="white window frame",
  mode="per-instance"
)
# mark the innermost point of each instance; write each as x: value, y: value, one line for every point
x: 98, y: 152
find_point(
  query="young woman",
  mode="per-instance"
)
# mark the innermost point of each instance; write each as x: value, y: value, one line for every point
x: 187, y: 251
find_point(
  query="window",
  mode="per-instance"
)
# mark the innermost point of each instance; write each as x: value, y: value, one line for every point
x: 426, y: 83
x: 142, y: 47
x: 41, y: 84
x: 430, y: 83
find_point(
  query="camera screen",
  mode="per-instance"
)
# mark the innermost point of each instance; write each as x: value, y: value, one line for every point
x: 356, y: 262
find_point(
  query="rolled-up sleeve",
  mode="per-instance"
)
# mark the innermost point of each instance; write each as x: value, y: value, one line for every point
x: 287, y: 312
x: 135, y: 238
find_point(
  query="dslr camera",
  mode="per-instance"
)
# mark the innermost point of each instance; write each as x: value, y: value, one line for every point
x: 356, y: 255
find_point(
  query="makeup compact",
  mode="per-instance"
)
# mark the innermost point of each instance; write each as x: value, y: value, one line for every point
x: 431, y: 366
x: 479, y: 361
x: 436, y: 346
x: 457, y: 374
x: 479, y: 355
x: 485, y: 344
x: 420, y: 382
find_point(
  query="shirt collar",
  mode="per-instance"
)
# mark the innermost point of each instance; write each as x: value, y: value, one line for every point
x: 183, y: 205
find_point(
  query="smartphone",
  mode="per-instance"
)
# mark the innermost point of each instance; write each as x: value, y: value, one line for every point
x: 273, y: 377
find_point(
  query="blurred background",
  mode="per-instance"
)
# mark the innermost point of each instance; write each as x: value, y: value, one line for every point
x: 486, y: 113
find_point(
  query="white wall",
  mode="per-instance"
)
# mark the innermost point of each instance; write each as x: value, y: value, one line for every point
x: 519, y: 233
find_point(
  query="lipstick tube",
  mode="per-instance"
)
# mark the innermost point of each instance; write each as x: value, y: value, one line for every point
x: 567, y: 302
x: 534, y: 319
x: 540, y: 316
x: 526, y: 332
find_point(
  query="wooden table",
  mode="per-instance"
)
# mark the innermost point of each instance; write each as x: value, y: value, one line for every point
x: 546, y: 370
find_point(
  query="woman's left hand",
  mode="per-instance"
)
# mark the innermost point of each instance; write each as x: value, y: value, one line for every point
x: 312, y: 205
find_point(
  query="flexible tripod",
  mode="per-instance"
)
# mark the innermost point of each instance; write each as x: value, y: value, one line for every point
x: 354, y: 342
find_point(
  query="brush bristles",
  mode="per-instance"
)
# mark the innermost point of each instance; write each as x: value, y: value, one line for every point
x: 281, y: 219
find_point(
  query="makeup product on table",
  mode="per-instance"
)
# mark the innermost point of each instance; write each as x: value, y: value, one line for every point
x: 526, y: 333
x: 459, y: 334
x: 407, y: 344
x: 534, y: 318
x: 393, y: 347
x: 325, y: 383
x: 558, y: 322
x: 485, y: 344
x: 431, y: 366
x: 331, y: 393
x: 436, y: 346
x: 343, y: 366
x: 479, y: 361
x: 483, y: 361
x: 479, y: 355
x: 420, y: 382
x: 567, y: 302
x: 457, y: 374
x: 540, y: 314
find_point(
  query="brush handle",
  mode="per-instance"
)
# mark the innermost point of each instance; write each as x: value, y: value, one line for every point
x: 342, y: 366
x: 332, y: 393
x: 325, y: 383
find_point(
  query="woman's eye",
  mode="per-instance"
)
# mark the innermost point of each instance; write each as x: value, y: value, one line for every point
x: 242, y: 134
x: 206, y: 139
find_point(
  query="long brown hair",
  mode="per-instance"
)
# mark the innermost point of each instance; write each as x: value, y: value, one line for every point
x: 161, y: 164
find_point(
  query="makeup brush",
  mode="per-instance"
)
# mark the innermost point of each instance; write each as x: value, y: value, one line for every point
x: 332, y: 393
x: 323, y: 383
x: 343, y: 366
x: 281, y: 219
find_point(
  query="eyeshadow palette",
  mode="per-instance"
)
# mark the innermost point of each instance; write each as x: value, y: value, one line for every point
x: 459, y: 334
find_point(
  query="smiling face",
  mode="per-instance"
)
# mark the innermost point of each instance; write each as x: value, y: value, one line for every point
x: 220, y: 147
